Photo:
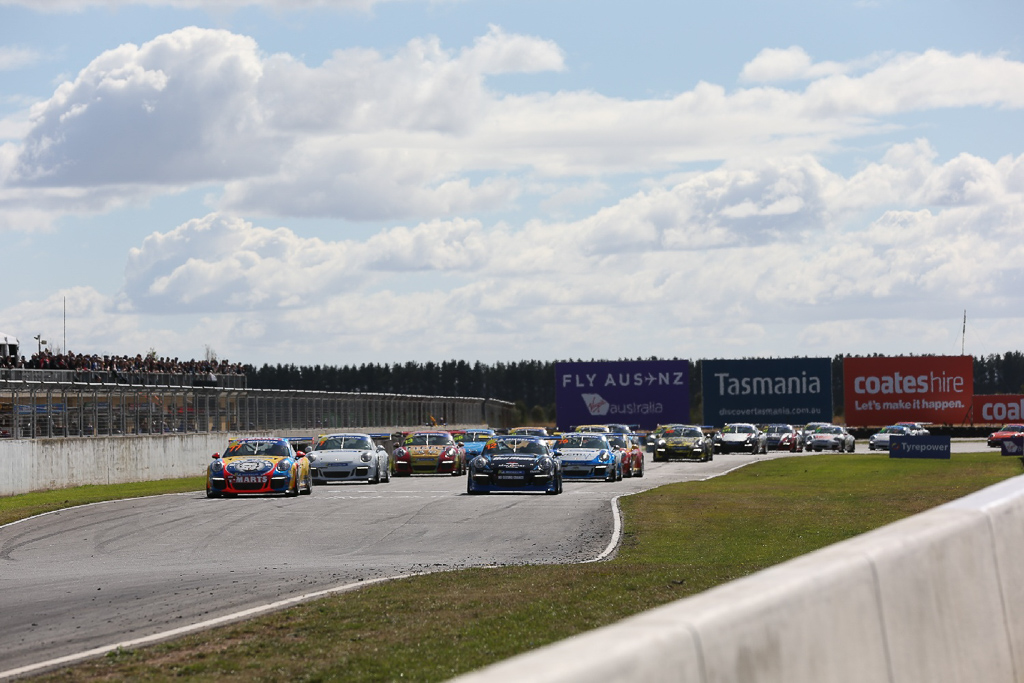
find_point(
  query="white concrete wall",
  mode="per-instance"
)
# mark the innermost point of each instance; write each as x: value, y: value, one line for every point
x: 39, y: 464
x: 933, y: 598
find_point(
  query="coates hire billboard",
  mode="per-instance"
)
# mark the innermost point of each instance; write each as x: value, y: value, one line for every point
x: 642, y: 393
x: 882, y: 391
x: 998, y: 409
x: 788, y: 390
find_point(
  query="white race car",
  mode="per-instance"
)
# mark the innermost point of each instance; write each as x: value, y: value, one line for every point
x: 348, y: 457
x: 832, y: 438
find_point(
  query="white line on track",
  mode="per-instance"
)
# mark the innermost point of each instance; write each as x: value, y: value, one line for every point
x: 183, y: 630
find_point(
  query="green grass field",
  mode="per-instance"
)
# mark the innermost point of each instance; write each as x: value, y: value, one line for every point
x: 678, y: 540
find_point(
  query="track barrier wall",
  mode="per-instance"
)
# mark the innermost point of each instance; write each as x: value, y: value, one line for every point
x: 936, y: 598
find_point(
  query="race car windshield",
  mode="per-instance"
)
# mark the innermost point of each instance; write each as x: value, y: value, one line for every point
x: 338, y: 443
x: 274, y: 448
x: 527, y: 446
x: 583, y: 442
x: 738, y: 429
x: 426, y: 440
x: 617, y: 441
x: 471, y: 438
x: 1013, y: 428
x: 779, y: 429
x: 828, y: 430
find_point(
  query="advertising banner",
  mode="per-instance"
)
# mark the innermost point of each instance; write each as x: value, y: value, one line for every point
x: 998, y: 409
x: 788, y: 390
x: 1012, y: 446
x: 883, y: 391
x: 641, y: 393
x: 935, y: 447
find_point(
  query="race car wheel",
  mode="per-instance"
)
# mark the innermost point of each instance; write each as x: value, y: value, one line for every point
x: 376, y: 476
x: 387, y: 475
x: 640, y: 473
x: 470, y: 489
x: 294, y: 489
x: 308, y: 491
x: 212, y: 494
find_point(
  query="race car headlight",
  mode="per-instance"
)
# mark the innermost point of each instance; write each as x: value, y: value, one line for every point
x: 284, y: 466
x: 604, y: 456
x: 661, y: 442
x: 217, y: 466
x: 481, y: 463
x: 543, y: 465
x: 365, y: 457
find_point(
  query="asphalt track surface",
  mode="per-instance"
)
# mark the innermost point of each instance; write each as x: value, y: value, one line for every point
x: 91, y: 577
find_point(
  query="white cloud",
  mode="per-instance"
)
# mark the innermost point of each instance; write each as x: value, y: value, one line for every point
x: 419, y: 134
x: 754, y: 256
x: 13, y: 57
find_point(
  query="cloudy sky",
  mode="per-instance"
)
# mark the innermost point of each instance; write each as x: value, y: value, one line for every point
x: 349, y: 181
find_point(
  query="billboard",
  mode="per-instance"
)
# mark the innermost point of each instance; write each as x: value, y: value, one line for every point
x: 997, y: 409
x: 787, y: 390
x: 642, y: 393
x: 882, y: 391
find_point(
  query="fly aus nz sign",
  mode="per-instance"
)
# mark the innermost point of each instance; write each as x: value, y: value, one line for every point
x: 641, y: 393
x: 787, y: 390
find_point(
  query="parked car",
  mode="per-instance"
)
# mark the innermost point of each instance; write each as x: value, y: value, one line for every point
x: 740, y: 436
x: 429, y: 452
x: 258, y: 465
x: 833, y: 438
x: 782, y: 437
x: 880, y: 439
x: 515, y: 462
x: 350, y: 456
x: 588, y: 456
x: 684, y: 441
x: 996, y: 438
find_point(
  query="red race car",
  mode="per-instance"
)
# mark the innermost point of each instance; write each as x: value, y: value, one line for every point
x: 632, y: 455
x: 429, y: 452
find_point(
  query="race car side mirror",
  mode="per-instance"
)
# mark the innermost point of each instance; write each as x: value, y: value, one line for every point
x: 300, y: 454
x: 215, y: 456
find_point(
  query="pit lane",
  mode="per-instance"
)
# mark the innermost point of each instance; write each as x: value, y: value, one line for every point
x: 94, y: 576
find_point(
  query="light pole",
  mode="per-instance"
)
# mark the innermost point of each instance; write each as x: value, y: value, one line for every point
x: 39, y: 342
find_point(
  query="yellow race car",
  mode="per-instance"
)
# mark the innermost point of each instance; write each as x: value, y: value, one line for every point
x: 258, y: 465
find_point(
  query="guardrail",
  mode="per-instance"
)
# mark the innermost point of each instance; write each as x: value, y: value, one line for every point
x: 935, y: 597
x: 42, y: 409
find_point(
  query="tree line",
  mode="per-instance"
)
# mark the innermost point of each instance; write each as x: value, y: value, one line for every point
x: 530, y: 384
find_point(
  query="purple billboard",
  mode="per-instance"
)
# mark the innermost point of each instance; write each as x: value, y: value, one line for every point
x: 643, y: 393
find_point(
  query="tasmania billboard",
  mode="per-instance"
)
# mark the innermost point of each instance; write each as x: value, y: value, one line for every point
x: 997, y: 409
x: 882, y: 391
x: 787, y: 390
x: 641, y: 393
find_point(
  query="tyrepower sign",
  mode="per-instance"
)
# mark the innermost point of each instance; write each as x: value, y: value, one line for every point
x: 642, y: 393
x: 882, y: 391
x: 786, y: 390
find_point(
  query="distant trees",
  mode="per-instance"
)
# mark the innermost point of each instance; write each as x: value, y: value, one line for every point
x: 530, y: 384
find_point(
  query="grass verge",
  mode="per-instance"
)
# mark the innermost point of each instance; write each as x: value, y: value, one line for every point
x: 13, y: 508
x: 678, y: 540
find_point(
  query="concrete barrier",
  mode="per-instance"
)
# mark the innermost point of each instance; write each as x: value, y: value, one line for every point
x: 40, y: 464
x: 933, y: 598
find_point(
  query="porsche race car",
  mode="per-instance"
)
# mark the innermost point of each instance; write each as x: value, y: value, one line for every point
x: 588, y: 456
x: 258, y: 465
x: 429, y: 452
x: 515, y: 462
x: 348, y: 457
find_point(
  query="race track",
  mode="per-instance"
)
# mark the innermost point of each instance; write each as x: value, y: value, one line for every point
x: 97, y: 575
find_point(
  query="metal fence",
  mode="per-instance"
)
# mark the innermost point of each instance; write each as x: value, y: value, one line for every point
x: 42, y: 409
x: 167, y: 379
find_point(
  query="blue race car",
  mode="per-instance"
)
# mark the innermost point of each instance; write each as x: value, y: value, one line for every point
x: 473, y: 441
x: 588, y: 456
x: 521, y: 463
